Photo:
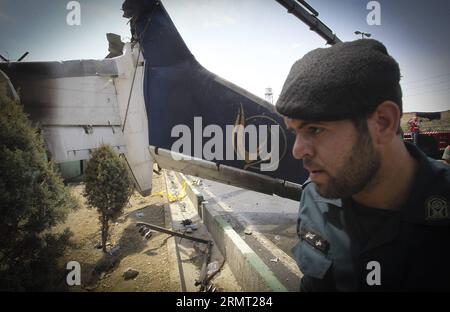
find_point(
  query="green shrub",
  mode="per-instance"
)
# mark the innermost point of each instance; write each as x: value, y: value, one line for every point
x: 108, y: 186
x: 33, y: 199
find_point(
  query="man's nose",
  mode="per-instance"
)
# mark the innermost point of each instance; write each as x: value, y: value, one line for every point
x: 301, y: 148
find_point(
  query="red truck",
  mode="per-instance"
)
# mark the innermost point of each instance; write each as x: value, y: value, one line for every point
x: 432, y: 147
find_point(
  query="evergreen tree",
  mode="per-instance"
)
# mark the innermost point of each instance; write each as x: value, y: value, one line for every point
x: 33, y: 199
x: 107, y: 186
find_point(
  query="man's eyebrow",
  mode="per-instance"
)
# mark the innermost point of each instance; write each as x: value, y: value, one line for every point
x: 304, y: 124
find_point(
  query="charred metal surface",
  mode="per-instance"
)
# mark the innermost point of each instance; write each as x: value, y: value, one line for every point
x: 40, y: 84
x: 18, y: 71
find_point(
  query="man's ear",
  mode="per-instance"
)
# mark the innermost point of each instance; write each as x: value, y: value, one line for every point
x: 385, y: 122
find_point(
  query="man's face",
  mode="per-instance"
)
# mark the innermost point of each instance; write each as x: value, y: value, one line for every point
x: 340, y: 161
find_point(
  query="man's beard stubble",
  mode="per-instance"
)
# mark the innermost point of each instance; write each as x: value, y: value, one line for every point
x: 356, y: 173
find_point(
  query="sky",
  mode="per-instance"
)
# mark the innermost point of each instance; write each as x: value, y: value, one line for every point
x: 252, y: 43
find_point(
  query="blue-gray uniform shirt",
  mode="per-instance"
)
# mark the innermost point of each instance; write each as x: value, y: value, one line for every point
x: 338, y: 238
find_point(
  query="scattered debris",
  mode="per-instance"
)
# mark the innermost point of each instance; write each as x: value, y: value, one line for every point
x: 211, y: 276
x: 210, y: 288
x: 115, y: 250
x: 192, y: 226
x: 212, y: 267
x: 182, y: 206
x: 148, y: 234
x: 203, y: 279
x: 130, y: 274
x: 174, y: 195
x: 157, y: 170
x: 188, y: 225
x: 163, y: 230
x: 277, y: 237
x: 275, y: 260
x: 139, y: 214
x: 186, y: 222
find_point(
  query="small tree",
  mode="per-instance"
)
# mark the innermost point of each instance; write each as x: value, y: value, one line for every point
x: 33, y: 199
x: 108, y: 186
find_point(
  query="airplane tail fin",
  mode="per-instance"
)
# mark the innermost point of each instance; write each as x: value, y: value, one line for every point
x: 198, y: 114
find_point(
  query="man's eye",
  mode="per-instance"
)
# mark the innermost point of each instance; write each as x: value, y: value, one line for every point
x: 314, y: 130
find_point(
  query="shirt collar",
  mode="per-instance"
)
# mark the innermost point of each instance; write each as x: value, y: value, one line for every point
x: 320, y: 199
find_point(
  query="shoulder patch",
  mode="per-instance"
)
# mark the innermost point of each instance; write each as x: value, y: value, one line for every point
x: 436, y: 208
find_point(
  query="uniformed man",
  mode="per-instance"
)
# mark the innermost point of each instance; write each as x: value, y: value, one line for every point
x: 374, y: 213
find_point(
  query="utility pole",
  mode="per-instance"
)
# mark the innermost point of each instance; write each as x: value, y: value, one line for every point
x: 269, y: 95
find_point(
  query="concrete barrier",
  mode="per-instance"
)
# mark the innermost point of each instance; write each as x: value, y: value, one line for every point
x: 250, y: 271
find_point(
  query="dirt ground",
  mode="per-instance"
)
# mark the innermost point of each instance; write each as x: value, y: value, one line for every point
x: 126, y: 247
